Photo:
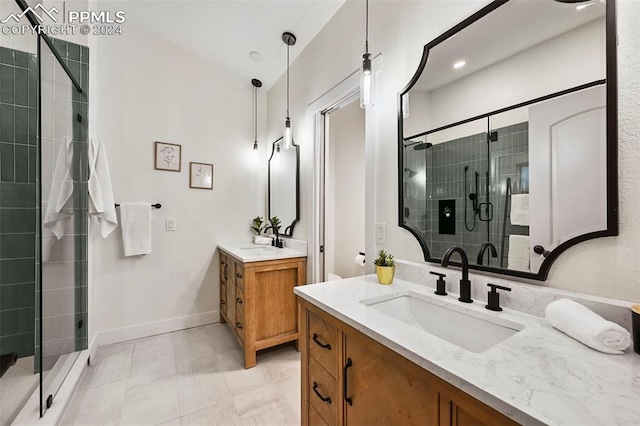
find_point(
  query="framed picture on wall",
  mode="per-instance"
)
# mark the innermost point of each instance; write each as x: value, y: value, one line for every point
x: 200, y: 175
x: 168, y: 156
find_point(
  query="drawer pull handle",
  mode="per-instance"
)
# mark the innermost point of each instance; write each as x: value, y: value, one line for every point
x: 315, y: 339
x: 326, y: 399
x: 239, y: 275
x: 344, y: 381
x: 238, y: 325
x: 239, y: 301
x: 222, y: 302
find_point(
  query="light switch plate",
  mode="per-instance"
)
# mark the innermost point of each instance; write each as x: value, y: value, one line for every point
x: 170, y: 224
x: 381, y: 233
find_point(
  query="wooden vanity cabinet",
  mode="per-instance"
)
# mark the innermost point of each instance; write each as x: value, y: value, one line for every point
x: 258, y: 303
x: 350, y: 379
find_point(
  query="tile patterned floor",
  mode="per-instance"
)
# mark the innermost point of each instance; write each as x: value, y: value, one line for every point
x: 190, y: 377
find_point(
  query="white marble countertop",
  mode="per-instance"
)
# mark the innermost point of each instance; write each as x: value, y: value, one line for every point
x: 249, y: 252
x: 537, y: 376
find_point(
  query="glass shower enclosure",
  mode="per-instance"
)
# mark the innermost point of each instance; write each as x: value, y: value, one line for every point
x: 43, y: 217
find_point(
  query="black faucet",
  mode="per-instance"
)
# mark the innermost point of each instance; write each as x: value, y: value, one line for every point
x: 465, y: 284
x: 277, y: 242
x: 483, y: 248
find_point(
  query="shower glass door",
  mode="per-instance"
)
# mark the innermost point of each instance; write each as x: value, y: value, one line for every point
x: 63, y: 214
x: 18, y: 223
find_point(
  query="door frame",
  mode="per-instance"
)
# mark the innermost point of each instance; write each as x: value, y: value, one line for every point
x: 332, y: 99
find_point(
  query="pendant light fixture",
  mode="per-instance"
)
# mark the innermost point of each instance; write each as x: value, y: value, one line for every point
x: 256, y: 84
x: 289, y: 39
x: 366, y: 77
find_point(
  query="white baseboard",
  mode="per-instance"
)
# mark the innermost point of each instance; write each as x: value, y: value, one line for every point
x: 139, y: 331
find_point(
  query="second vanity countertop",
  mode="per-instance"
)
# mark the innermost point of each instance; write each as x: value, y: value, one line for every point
x: 537, y: 376
x: 248, y: 252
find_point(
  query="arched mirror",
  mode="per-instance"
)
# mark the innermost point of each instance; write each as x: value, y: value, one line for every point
x: 507, y: 136
x: 284, y: 186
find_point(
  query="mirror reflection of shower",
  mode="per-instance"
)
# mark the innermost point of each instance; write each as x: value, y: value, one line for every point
x: 473, y: 197
x: 419, y: 146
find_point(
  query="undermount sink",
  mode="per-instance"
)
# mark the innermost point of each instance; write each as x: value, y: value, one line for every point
x: 473, y: 331
x: 258, y: 250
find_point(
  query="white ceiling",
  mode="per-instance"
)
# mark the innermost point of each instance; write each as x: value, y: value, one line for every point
x: 512, y: 28
x: 224, y: 32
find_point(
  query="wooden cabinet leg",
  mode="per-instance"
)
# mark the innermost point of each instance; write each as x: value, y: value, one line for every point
x: 296, y: 344
x: 249, y: 358
x: 222, y: 320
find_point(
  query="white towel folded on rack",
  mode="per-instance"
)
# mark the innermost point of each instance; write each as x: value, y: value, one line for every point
x: 59, y: 210
x: 586, y: 326
x: 102, y: 204
x: 136, y: 228
x: 519, y: 209
x: 518, y: 256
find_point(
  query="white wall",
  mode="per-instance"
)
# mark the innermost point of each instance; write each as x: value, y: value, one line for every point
x: 148, y: 90
x: 535, y: 72
x: 399, y: 30
x: 347, y: 163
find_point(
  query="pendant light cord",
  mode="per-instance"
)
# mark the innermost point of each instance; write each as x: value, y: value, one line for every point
x: 288, y: 80
x: 366, y: 27
x: 255, y: 113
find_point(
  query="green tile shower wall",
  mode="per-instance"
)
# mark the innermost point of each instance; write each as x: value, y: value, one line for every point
x: 445, y: 164
x: 18, y: 138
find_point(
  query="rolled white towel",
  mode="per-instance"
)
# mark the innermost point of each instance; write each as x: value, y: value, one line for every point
x: 586, y: 326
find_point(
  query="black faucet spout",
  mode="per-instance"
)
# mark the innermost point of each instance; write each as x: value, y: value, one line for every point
x: 277, y: 243
x: 465, y: 284
x: 483, y: 249
x: 463, y: 258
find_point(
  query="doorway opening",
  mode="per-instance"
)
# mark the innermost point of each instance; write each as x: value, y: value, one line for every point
x: 342, y: 213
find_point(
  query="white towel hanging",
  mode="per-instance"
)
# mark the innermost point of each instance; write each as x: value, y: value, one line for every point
x: 136, y: 228
x: 102, y: 205
x: 59, y: 211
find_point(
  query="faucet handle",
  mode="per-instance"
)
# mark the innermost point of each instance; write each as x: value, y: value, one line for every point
x: 441, y: 287
x: 493, y: 297
x: 499, y: 287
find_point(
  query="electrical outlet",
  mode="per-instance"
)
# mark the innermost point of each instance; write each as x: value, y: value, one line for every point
x: 171, y: 224
x: 381, y: 233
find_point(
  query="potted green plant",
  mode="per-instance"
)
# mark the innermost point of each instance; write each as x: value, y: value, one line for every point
x: 385, y: 267
x: 258, y: 226
x: 275, y: 221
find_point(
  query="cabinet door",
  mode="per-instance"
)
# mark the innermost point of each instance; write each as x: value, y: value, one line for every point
x: 382, y: 388
x: 463, y: 410
x: 223, y: 284
x: 231, y: 293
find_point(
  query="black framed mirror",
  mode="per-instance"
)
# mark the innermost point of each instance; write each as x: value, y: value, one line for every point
x: 507, y: 136
x: 284, y: 186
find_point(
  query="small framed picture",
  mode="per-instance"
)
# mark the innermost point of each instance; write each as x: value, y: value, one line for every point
x: 168, y: 156
x: 200, y: 175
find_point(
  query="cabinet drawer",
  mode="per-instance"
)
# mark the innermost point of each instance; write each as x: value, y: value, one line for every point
x: 323, y: 343
x: 239, y: 301
x: 239, y: 271
x: 323, y: 393
x: 240, y: 325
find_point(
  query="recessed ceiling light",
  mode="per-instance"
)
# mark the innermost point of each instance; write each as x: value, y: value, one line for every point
x: 583, y: 6
x: 256, y: 56
x: 459, y: 64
